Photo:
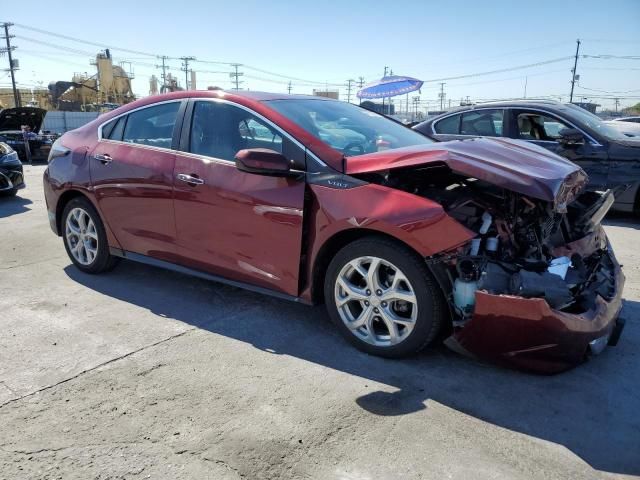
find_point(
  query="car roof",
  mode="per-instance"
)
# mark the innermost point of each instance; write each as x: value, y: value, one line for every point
x: 510, y: 103
x: 532, y: 103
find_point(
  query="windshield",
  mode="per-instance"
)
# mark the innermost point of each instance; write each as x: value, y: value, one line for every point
x: 594, y: 123
x: 347, y: 128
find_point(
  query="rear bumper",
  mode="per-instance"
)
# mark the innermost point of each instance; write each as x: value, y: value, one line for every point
x: 11, y: 178
x: 527, y: 333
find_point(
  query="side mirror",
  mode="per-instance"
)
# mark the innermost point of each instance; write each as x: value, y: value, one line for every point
x: 570, y: 136
x: 262, y: 161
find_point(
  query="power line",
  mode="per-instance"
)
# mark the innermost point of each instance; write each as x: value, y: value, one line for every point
x: 501, y: 70
x: 86, y: 42
x: 607, y: 91
x: 616, y: 57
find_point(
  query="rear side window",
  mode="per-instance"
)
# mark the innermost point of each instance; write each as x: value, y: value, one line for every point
x: 152, y: 125
x: 487, y: 123
x: 448, y: 125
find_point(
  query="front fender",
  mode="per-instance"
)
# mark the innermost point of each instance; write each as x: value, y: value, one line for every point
x: 420, y: 223
x: 417, y: 221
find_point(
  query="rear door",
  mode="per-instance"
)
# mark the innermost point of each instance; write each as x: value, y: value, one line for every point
x: 242, y: 226
x: 132, y: 174
x: 542, y: 128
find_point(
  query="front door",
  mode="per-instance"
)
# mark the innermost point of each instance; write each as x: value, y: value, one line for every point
x: 132, y: 174
x: 242, y: 226
x: 543, y: 130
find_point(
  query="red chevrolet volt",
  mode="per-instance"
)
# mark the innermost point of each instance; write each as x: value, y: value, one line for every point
x: 491, y: 244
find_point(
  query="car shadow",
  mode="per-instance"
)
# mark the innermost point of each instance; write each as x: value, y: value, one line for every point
x: 13, y: 205
x: 621, y: 219
x: 591, y: 410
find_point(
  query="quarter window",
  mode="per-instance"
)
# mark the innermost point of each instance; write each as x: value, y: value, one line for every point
x: 535, y: 126
x: 449, y: 125
x: 487, y: 123
x: 152, y: 125
x: 113, y: 130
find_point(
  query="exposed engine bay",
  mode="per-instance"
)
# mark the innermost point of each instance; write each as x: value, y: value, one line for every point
x: 523, y: 244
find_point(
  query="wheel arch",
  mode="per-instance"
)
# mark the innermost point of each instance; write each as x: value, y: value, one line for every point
x: 332, y: 245
x: 69, y: 195
x: 64, y: 199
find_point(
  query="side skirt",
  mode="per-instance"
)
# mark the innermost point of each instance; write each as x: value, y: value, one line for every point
x: 136, y: 257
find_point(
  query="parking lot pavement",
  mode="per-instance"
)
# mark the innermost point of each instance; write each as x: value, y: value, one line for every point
x: 143, y: 373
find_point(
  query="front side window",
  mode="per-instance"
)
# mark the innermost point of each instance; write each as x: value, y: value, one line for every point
x: 487, y: 123
x: 347, y: 128
x: 536, y: 126
x: 449, y: 125
x: 220, y: 130
x: 152, y: 125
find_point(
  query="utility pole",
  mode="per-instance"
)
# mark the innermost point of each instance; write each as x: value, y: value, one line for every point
x: 385, y: 71
x: 185, y: 69
x: 12, y: 65
x: 441, y: 95
x: 526, y: 79
x: 617, y: 100
x: 164, y: 58
x: 235, y: 75
x: 350, y: 82
x: 289, y: 87
x: 416, y: 102
x: 573, y: 72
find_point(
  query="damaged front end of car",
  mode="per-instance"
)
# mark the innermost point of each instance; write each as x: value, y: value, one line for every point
x: 539, y: 287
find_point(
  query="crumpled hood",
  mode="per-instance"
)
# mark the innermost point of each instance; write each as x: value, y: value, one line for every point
x: 514, y: 165
x: 12, y: 119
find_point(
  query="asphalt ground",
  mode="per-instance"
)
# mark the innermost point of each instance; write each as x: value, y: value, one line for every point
x: 145, y: 373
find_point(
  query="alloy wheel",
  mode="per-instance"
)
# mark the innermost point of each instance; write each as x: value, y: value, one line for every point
x: 376, y: 301
x: 82, y: 236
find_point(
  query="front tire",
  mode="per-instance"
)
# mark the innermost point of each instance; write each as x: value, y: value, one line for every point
x: 9, y: 193
x: 85, y: 238
x: 383, y: 299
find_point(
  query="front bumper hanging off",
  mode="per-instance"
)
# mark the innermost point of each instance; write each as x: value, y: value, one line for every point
x: 527, y: 333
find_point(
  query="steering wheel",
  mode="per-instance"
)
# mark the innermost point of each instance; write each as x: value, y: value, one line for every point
x: 351, y: 145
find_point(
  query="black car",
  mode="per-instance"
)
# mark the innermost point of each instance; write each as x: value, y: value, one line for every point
x: 11, y: 122
x: 611, y: 159
x: 11, y: 176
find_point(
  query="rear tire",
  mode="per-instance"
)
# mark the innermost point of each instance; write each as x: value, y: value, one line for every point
x: 383, y: 299
x: 85, y: 238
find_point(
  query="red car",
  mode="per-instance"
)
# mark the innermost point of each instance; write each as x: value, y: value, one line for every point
x: 489, y: 243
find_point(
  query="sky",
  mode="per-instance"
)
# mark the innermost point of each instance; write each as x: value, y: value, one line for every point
x: 324, y: 43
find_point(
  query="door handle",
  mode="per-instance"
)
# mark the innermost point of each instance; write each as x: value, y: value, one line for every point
x: 190, y: 179
x: 103, y: 158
